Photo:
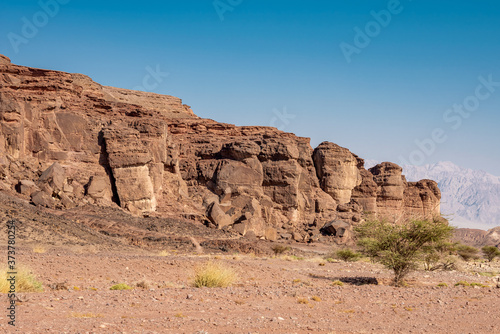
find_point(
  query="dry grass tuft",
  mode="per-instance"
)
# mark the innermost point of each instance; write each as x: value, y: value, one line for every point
x: 163, y: 253
x: 85, y: 315
x: 143, y: 285
x: 303, y: 301
x: 25, y: 281
x: 338, y: 283
x: 39, y: 249
x: 121, y: 286
x: 316, y: 298
x: 214, y: 275
x: 280, y: 249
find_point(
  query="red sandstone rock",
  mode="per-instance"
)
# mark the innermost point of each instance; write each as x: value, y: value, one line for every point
x: 150, y: 153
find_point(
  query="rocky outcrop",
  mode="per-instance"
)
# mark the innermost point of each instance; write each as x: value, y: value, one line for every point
x: 66, y: 141
x: 338, y: 171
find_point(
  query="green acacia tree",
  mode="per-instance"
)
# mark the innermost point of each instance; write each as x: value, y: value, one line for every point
x: 490, y: 252
x: 399, y: 246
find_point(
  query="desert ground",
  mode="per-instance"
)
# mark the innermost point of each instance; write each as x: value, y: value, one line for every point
x: 78, y: 255
x: 283, y: 294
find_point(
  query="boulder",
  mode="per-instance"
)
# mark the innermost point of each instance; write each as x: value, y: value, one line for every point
x: 26, y: 187
x: 41, y: 198
x: 54, y: 177
x: 99, y: 188
x: 218, y: 217
x: 336, y: 228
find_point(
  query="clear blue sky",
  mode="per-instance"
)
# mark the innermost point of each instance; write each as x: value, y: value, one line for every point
x: 265, y: 56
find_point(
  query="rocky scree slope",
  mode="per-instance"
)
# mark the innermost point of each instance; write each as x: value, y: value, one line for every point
x: 66, y: 141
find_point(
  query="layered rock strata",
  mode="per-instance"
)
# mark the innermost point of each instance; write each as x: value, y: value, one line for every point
x: 67, y: 141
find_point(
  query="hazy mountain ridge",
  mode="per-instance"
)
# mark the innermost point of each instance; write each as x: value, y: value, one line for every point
x: 470, y: 197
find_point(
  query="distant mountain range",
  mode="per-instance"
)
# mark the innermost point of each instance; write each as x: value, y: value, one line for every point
x: 470, y: 198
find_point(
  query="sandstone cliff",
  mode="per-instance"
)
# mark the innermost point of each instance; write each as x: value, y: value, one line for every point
x: 66, y: 141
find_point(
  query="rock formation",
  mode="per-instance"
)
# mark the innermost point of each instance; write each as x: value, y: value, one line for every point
x: 66, y: 141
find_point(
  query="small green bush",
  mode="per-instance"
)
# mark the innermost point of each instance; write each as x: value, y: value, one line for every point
x: 490, y: 252
x: 442, y: 285
x: 338, y: 283
x: 467, y: 252
x: 478, y: 284
x: 121, y: 286
x: 462, y: 283
x: 348, y: 255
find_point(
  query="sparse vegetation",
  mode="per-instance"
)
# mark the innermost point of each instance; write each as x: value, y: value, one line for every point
x: 214, y: 275
x: 467, y: 252
x: 163, y: 253
x: 347, y: 255
x: 438, y: 256
x: 302, y: 301
x: 490, y: 252
x: 280, y: 249
x: 39, y: 249
x: 316, y: 298
x: 442, y: 285
x: 292, y: 258
x: 462, y: 283
x: 338, y: 283
x: 143, y: 285
x: 25, y: 281
x: 121, y: 286
x: 85, y: 315
x: 481, y: 285
x: 399, y: 247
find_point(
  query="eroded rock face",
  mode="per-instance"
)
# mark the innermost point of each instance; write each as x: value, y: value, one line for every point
x: 337, y: 170
x: 149, y: 153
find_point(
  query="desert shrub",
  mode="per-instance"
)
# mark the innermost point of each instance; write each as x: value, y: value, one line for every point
x: 480, y: 285
x: 442, y: 285
x: 214, y: 275
x: 280, y: 249
x: 316, y: 298
x: 338, y: 283
x: 467, y: 252
x: 25, y: 281
x: 143, y: 285
x: 121, y: 286
x: 431, y: 258
x: 347, y: 255
x: 39, y: 249
x: 302, y: 301
x: 490, y: 252
x: 399, y: 247
x: 447, y: 263
x: 462, y: 283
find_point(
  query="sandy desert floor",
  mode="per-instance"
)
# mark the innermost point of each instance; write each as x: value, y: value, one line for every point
x: 272, y: 295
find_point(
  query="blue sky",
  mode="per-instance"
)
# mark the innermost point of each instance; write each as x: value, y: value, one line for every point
x: 281, y: 63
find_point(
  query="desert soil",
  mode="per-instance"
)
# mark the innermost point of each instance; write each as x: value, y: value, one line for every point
x: 79, y: 254
x: 272, y: 295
